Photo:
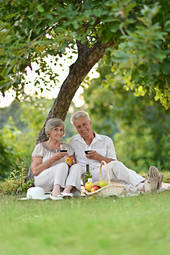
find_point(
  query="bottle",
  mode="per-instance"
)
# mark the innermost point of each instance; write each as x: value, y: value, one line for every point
x: 87, y: 176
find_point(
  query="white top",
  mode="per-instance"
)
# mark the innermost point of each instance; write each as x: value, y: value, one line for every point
x: 101, y: 143
x: 41, y: 150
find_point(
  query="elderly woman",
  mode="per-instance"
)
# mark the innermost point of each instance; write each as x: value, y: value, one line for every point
x: 48, y: 163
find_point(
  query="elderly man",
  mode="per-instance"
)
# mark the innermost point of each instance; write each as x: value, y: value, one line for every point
x: 101, y: 148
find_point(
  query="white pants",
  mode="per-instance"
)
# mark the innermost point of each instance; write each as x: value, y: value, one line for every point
x: 118, y: 173
x: 59, y: 174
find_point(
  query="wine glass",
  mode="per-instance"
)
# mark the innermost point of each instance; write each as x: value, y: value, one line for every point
x: 63, y: 148
x: 87, y: 151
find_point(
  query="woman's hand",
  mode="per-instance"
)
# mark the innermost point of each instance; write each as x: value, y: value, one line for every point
x: 59, y: 155
x: 70, y: 160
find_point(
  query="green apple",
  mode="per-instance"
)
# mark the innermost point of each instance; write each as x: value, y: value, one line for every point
x: 96, y: 183
x: 88, y: 186
x: 101, y: 183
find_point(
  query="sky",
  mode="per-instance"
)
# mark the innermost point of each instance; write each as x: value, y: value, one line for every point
x: 62, y: 68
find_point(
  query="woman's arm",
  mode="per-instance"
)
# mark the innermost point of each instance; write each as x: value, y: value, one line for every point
x: 38, y: 166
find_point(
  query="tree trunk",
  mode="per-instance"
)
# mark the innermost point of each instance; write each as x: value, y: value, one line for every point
x: 87, y: 58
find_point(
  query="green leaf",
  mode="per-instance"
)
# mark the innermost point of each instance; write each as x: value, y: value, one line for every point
x: 167, y: 26
x: 120, y: 56
x: 75, y: 24
x: 40, y: 8
x: 114, y: 28
x: 129, y: 7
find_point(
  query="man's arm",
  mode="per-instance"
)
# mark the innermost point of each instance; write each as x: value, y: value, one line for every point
x: 96, y: 156
x: 110, y: 154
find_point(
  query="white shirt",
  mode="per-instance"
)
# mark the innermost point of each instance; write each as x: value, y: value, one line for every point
x: 101, y: 144
x: 41, y: 150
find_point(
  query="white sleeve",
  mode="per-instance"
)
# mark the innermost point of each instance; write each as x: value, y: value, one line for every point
x: 110, y: 149
x: 38, y: 151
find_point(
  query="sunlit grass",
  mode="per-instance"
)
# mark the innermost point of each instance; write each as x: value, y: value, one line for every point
x: 128, y: 226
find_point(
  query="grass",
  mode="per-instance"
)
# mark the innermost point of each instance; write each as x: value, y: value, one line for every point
x: 82, y: 226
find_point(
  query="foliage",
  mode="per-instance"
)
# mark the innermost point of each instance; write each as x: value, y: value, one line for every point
x: 15, y: 183
x: 142, y: 59
x: 19, y: 133
x: 39, y: 109
x: 142, y: 126
x: 34, y: 114
x: 12, y: 149
x: 6, y: 158
x: 139, y: 150
x: 13, y: 110
x: 135, y: 32
x: 18, y: 144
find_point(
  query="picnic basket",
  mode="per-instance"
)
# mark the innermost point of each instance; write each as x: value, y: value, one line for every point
x: 112, y: 189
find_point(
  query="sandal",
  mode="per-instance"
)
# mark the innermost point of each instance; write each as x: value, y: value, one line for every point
x: 67, y: 195
x: 58, y: 197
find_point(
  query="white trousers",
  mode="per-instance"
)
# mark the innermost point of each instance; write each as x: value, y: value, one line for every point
x: 59, y: 174
x: 118, y: 173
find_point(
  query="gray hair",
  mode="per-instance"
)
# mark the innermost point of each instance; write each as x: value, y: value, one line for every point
x: 52, y: 123
x: 78, y: 115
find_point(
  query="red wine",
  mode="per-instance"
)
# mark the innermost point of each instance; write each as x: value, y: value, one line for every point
x: 87, y: 151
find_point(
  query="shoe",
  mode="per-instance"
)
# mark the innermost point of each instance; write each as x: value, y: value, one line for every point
x: 67, y: 195
x: 154, y: 179
x: 58, y: 197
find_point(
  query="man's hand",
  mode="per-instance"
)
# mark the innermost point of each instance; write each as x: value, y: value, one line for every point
x: 93, y: 155
x: 96, y: 156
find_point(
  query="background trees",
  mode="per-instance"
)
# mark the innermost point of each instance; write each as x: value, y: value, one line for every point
x: 139, y: 126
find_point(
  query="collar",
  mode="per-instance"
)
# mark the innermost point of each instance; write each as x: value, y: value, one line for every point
x: 97, y: 137
x: 80, y: 139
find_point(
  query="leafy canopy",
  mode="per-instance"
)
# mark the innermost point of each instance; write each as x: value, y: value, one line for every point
x: 136, y: 33
x: 139, y: 126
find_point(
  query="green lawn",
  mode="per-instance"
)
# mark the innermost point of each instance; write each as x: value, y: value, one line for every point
x: 82, y: 226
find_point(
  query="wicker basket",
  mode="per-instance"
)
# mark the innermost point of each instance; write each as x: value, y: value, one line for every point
x: 112, y: 189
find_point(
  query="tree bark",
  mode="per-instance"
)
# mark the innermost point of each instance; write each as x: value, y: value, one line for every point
x: 87, y: 58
